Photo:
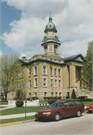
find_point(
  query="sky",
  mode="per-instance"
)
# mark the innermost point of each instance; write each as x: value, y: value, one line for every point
x: 22, y: 24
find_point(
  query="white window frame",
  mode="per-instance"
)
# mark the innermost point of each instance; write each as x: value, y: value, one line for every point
x: 59, y: 94
x: 45, y: 70
x: 51, y: 83
x: 59, y: 72
x: 45, y: 94
x: 45, y: 82
x: 35, y: 82
x: 35, y: 70
x: 35, y: 94
x: 55, y: 71
x: 29, y: 83
x: 30, y: 71
x: 52, y: 94
x: 56, y: 94
x: 59, y: 83
x: 55, y: 83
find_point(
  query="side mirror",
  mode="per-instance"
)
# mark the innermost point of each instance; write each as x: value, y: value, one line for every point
x: 63, y: 107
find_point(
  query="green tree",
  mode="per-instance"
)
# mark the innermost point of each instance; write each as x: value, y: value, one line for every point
x: 86, y: 75
x: 73, y: 95
x: 10, y: 69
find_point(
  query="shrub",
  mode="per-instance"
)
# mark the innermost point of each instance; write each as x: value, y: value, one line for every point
x: 28, y: 99
x: 34, y: 98
x: 73, y: 96
x: 19, y: 103
x: 51, y: 98
x: 50, y: 101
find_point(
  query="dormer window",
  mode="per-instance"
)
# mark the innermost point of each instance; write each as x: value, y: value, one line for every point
x: 55, y: 49
x: 45, y: 49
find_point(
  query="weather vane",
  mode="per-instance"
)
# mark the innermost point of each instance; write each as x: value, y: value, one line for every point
x: 50, y: 13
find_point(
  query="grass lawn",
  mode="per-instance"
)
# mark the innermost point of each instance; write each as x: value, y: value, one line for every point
x: 18, y: 110
x: 3, y: 103
x: 16, y: 119
x: 2, y: 106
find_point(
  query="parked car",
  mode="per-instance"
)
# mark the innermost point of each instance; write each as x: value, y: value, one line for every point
x: 90, y: 107
x: 61, y: 109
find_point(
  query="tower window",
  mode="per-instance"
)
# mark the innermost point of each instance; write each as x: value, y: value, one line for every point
x: 45, y: 49
x: 55, y: 49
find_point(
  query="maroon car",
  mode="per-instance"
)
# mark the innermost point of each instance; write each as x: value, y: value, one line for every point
x: 61, y: 109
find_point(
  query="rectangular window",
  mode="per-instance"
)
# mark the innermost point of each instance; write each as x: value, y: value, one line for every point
x: 35, y: 82
x: 44, y: 82
x: 55, y: 82
x: 29, y: 83
x: 35, y: 94
x: 51, y: 71
x: 30, y: 95
x: 51, y: 82
x: 45, y: 94
x: 35, y: 70
x: 55, y: 72
x: 56, y: 94
x: 52, y: 94
x: 30, y: 71
x: 45, y: 49
x: 44, y: 70
x: 59, y: 83
x: 59, y: 72
x: 55, y: 49
x: 59, y: 94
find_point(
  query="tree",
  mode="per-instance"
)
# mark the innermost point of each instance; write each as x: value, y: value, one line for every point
x: 73, y: 96
x: 10, y: 69
x: 86, y: 75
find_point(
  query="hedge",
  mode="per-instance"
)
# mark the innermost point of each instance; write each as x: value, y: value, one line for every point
x: 47, y: 98
x: 50, y: 101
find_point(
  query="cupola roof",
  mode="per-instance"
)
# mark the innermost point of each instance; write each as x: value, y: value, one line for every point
x: 50, y: 26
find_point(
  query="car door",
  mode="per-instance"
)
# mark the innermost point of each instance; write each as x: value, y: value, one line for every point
x: 73, y: 108
x: 65, y: 109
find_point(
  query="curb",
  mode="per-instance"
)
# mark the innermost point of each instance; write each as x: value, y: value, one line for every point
x: 7, y: 124
x: 19, y: 122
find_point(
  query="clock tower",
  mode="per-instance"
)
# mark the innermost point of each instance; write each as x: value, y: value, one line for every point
x: 50, y: 44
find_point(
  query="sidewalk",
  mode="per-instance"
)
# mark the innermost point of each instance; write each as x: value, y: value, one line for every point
x: 16, y: 115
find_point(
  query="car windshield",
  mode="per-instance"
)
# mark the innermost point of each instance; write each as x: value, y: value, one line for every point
x: 55, y: 105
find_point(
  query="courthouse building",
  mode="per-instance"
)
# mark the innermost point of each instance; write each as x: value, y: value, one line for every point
x: 49, y: 74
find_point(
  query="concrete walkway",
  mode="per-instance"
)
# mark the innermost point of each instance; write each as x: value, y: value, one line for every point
x: 13, y: 115
x: 16, y: 115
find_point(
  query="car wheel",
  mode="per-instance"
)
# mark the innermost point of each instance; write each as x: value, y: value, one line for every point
x: 78, y: 113
x: 57, y: 117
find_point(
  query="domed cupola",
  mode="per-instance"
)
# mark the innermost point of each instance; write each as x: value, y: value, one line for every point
x: 50, y: 44
x: 50, y: 26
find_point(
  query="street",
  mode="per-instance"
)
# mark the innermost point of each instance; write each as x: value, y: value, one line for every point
x: 68, y: 126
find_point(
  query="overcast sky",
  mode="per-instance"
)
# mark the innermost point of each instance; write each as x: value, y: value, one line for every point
x: 23, y: 23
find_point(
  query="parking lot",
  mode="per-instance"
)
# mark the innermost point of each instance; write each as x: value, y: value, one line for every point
x: 68, y: 126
